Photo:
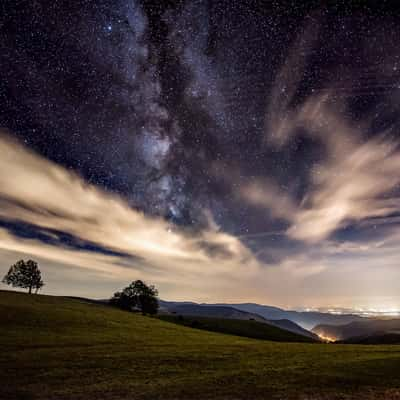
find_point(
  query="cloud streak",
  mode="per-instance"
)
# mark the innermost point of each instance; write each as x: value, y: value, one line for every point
x: 356, y: 181
x: 36, y: 191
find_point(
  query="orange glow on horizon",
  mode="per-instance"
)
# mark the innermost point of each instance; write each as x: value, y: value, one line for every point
x: 327, y: 339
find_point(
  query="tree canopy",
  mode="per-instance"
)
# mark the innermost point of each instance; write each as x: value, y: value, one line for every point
x: 137, y: 296
x: 24, y: 274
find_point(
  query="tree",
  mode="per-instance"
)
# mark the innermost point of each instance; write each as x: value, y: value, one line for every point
x: 24, y: 275
x: 137, y: 296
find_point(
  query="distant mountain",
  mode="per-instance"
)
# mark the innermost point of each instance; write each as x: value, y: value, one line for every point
x: 203, y: 310
x: 357, y: 329
x: 378, y: 338
x: 229, y: 312
x: 306, y: 319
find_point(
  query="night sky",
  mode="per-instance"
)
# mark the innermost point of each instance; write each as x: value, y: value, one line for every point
x: 222, y: 150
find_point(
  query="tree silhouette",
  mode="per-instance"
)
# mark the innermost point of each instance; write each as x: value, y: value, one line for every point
x: 24, y: 275
x: 137, y: 296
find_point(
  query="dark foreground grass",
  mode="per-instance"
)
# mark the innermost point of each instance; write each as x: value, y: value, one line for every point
x: 238, y: 327
x: 56, y: 348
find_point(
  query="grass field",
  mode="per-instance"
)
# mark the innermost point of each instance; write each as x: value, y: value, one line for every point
x: 238, y: 327
x: 57, y: 348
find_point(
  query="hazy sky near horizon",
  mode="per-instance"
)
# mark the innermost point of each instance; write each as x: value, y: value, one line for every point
x: 223, y: 151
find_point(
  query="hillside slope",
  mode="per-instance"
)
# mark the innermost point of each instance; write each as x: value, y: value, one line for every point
x: 58, y: 348
x: 293, y: 327
x: 245, y: 328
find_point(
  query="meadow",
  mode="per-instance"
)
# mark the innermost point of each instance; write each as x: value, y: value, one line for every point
x: 62, y: 348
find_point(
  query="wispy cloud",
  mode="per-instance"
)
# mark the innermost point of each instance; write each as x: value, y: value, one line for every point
x: 281, y: 111
x: 355, y: 181
x: 266, y: 194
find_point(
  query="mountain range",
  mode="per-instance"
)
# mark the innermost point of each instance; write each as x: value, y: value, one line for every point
x: 306, y: 319
x: 293, y: 321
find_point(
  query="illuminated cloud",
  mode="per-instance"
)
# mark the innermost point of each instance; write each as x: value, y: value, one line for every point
x: 38, y: 192
x: 205, y: 266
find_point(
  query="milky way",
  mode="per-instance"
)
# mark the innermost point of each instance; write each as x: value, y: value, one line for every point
x: 274, y: 123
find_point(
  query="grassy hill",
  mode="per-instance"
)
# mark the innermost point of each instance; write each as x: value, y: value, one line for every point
x: 59, y: 348
x: 246, y: 328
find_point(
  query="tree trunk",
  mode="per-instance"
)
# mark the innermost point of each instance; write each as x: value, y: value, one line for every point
x: 30, y: 289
